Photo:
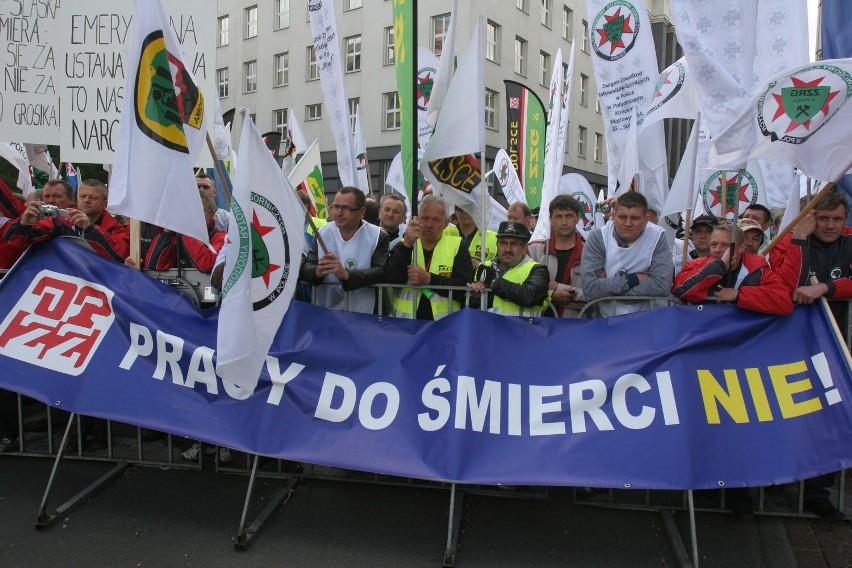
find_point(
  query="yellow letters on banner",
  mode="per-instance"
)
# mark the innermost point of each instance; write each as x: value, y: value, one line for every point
x: 731, y: 398
x: 785, y: 390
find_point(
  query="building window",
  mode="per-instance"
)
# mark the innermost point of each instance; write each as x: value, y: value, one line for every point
x: 584, y: 45
x: 599, y: 147
x: 223, y: 25
x: 491, y: 99
x: 279, y: 122
x: 520, y: 56
x: 282, y: 69
x: 313, y: 70
x: 523, y: 6
x: 222, y: 82
x: 492, y: 42
x: 250, y: 74
x: 389, y: 45
x: 543, y: 68
x: 564, y: 78
x: 567, y: 23
x: 282, y: 14
x: 352, y: 4
x: 584, y: 90
x: 393, y: 118
x: 598, y: 104
x: 581, y: 142
x: 313, y: 112
x: 250, y: 18
x: 353, y: 53
x: 353, y: 108
x: 439, y: 32
x: 546, y: 11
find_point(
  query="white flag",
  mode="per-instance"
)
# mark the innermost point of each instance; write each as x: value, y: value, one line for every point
x: 580, y: 189
x: 629, y: 160
x: 221, y: 136
x: 327, y: 50
x: 306, y: 164
x: 794, y: 201
x: 16, y: 154
x: 497, y: 214
x: 625, y: 64
x: 446, y: 70
x: 507, y: 177
x: 682, y: 193
x: 427, y: 73
x: 361, y: 180
x: 552, y: 161
x: 260, y: 276
x: 396, y: 181
x: 161, y: 131
x: 294, y: 132
x: 800, y: 117
x: 460, y: 135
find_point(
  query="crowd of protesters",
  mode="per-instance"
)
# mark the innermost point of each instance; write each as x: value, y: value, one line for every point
x: 438, y: 263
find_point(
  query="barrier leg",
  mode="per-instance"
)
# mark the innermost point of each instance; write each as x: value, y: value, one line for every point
x: 44, y: 519
x: 453, y: 526
x: 676, y: 541
x: 246, y: 534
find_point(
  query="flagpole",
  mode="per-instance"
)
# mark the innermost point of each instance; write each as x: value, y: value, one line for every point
x: 415, y: 141
x: 369, y: 177
x: 736, y: 213
x: 219, y: 171
x: 687, y: 228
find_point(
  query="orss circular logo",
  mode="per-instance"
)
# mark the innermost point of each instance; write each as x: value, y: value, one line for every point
x: 587, y: 217
x: 270, y: 254
x: 614, y: 30
x: 668, y: 85
x: 721, y: 194
x: 793, y: 108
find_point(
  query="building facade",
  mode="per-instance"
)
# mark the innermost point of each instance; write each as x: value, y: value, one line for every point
x: 265, y: 62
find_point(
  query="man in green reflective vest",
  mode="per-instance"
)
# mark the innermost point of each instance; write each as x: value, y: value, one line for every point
x: 441, y: 260
x: 518, y: 283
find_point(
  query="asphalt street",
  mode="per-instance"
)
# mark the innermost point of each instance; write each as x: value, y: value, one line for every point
x: 150, y: 516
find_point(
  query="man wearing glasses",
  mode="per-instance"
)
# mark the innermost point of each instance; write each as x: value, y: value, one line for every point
x: 518, y: 283
x: 356, y: 256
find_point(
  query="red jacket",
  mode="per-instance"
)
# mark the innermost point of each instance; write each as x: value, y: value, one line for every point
x: 163, y: 252
x: 108, y: 237
x: 767, y: 290
x: 9, y: 252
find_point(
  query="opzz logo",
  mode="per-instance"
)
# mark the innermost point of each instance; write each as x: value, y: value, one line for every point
x: 58, y: 323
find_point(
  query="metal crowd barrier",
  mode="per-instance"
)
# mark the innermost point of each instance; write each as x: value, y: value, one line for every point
x: 88, y: 438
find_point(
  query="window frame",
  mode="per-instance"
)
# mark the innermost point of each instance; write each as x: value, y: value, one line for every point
x: 223, y: 32
x: 311, y: 68
x: 520, y: 61
x: 279, y: 126
x: 352, y: 57
x: 249, y: 66
x: 390, y: 46
x: 544, y: 63
x: 277, y: 70
x: 220, y: 83
x: 493, y: 31
x: 584, y: 89
x: 388, y: 111
x: 442, y: 35
x: 492, y: 109
x: 309, y: 116
x: 567, y: 23
x: 282, y: 14
x: 250, y: 22
x: 547, y: 13
x: 582, y: 134
x: 598, y: 150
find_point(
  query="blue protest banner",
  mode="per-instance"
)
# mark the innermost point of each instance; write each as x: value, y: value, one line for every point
x: 681, y: 397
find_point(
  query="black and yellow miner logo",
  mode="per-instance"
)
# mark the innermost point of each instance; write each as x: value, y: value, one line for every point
x: 165, y: 102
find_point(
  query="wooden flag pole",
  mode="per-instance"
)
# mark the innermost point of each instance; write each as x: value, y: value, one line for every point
x: 219, y: 171
x: 792, y: 224
x: 687, y: 233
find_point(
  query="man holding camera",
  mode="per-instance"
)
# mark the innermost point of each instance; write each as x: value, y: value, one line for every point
x: 41, y: 221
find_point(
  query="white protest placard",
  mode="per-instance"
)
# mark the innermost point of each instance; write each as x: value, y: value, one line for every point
x: 92, y: 38
x: 29, y: 97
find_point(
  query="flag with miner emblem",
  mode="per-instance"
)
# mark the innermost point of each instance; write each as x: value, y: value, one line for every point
x: 262, y: 257
x: 161, y: 130
x: 799, y: 117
